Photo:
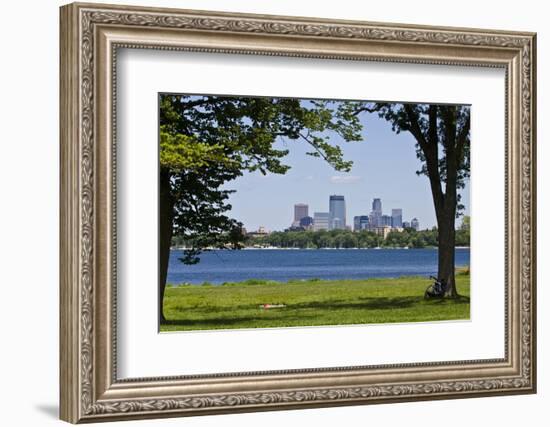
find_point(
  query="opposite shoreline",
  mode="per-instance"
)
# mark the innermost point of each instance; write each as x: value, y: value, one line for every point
x: 268, y: 248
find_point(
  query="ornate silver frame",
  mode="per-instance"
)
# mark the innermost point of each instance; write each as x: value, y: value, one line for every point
x: 90, y: 36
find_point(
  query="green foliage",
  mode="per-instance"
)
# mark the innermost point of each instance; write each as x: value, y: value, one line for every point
x: 442, y: 134
x: 345, y: 239
x: 463, y: 232
x: 309, y: 303
x: 207, y: 141
x: 181, y: 153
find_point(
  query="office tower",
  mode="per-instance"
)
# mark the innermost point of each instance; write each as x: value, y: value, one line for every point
x: 306, y: 222
x: 320, y: 221
x: 374, y: 219
x: 377, y: 206
x: 337, y: 211
x: 301, y: 210
x: 360, y: 222
x: 356, y: 223
x: 415, y: 224
x: 376, y: 214
x: 385, y: 221
x: 406, y: 224
x: 337, y: 224
x: 397, y: 217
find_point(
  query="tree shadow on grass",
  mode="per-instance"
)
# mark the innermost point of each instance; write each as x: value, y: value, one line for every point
x: 225, y: 322
x: 461, y: 299
x: 213, y: 321
x: 364, y: 303
x: 287, y: 314
x: 379, y: 303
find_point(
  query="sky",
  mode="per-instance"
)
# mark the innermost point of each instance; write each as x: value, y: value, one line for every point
x: 384, y: 166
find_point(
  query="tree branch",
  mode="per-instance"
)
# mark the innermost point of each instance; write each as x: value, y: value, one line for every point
x: 317, y: 149
x: 462, y: 137
x: 432, y: 125
x: 430, y: 149
x: 415, y: 126
x: 366, y: 109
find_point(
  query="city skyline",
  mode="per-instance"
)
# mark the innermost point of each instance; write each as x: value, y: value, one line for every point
x: 327, y: 220
x: 384, y: 166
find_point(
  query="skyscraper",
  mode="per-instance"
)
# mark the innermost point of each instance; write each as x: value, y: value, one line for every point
x: 397, y: 217
x: 377, y: 206
x: 385, y: 221
x: 301, y: 210
x: 320, y: 221
x: 360, y: 222
x: 306, y: 223
x: 415, y: 224
x: 376, y: 214
x: 337, y: 211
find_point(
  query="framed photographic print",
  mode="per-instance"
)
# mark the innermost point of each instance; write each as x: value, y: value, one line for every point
x: 266, y: 212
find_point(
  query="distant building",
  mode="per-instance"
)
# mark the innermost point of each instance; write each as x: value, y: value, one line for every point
x: 376, y: 213
x: 262, y: 231
x: 377, y: 205
x: 415, y: 224
x: 397, y: 217
x: 385, y: 220
x: 295, y: 228
x: 361, y: 222
x: 337, y: 212
x: 356, y: 223
x: 301, y: 210
x: 320, y: 220
x: 406, y: 224
x: 336, y: 224
x: 306, y: 222
x: 382, y: 231
x: 374, y: 219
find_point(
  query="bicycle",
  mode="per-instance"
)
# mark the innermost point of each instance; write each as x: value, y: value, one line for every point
x: 436, y: 290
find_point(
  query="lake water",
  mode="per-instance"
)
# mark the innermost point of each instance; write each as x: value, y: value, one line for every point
x: 282, y: 265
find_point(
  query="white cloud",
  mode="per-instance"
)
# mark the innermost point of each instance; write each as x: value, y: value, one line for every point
x: 345, y: 179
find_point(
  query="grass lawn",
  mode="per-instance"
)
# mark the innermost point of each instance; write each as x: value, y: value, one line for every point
x: 310, y: 303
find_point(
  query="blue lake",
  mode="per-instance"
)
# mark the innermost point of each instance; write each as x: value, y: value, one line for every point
x: 221, y: 266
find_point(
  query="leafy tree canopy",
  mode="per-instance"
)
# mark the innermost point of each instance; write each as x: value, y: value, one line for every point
x: 207, y: 141
x: 442, y: 136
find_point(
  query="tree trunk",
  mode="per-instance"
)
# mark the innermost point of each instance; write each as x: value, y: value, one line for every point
x: 444, y: 202
x: 166, y: 212
x: 446, y: 253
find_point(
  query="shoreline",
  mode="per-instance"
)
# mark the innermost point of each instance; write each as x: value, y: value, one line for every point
x: 460, y: 271
x: 248, y: 248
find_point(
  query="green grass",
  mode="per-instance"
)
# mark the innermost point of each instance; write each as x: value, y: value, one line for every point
x: 310, y: 303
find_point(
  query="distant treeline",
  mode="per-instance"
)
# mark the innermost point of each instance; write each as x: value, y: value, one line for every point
x: 348, y: 239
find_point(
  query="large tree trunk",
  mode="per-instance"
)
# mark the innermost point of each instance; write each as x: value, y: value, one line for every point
x: 444, y: 202
x: 447, y: 215
x: 446, y: 253
x: 166, y: 213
